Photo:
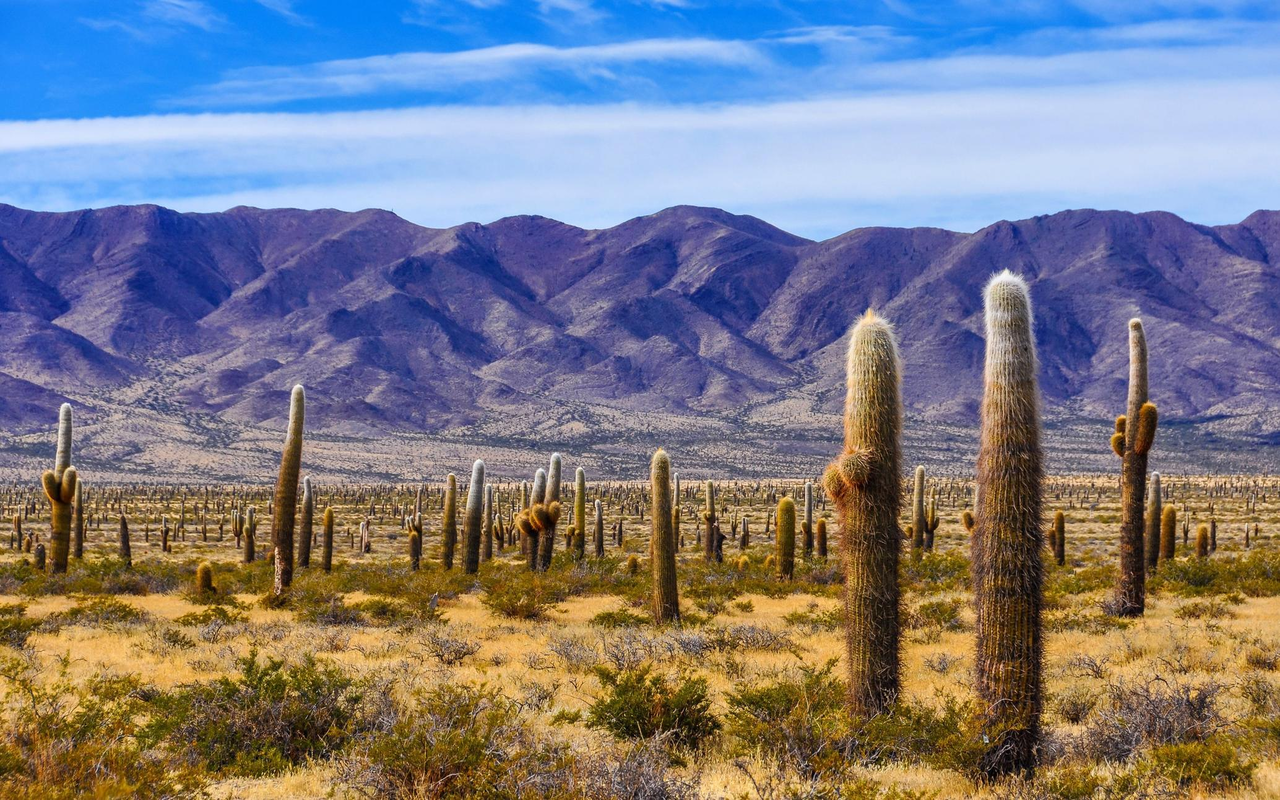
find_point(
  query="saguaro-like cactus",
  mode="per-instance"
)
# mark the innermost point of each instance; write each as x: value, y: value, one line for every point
x: 820, y: 535
x: 786, y: 538
x: 599, y: 529
x: 918, y: 521
x: 250, y: 534
x: 204, y: 580
x: 1202, y: 541
x: 77, y: 523
x: 415, y: 541
x: 126, y: 549
x: 1169, y: 532
x: 709, y: 524
x: 486, y: 532
x: 1059, y: 538
x: 475, y: 518
x: 326, y: 552
x: 60, y: 487
x: 1135, y: 431
x: 863, y: 483
x: 580, y: 513
x: 1007, y: 541
x: 807, y: 527
x: 306, y: 532
x: 286, y: 495
x: 449, y: 523
x: 666, y: 600
x: 1151, y: 548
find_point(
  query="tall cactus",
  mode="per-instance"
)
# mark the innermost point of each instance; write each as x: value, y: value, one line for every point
x: 863, y: 483
x: 786, y: 538
x: 1135, y: 431
x: 60, y: 487
x: 918, y: 520
x: 580, y: 513
x: 326, y: 552
x: 1059, y: 538
x: 666, y: 599
x: 475, y: 518
x: 126, y: 549
x: 77, y: 523
x: 1151, y: 548
x: 1168, y: 532
x: 286, y: 496
x: 250, y: 535
x: 1202, y: 541
x: 449, y: 523
x: 1007, y: 542
x: 486, y: 531
x: 807, y: 527
x: 599, y: 529
x: 709, y: 524
x: 306, y: 531
x: 550, y: 515
x: 820, y: 535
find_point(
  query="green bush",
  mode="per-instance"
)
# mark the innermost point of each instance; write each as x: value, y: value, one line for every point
x: 936, y: 571
x: 1216, y: 763
x: 101, y: 611
x: 622, y: 618
x: 269, y: 717
x: 941, y: 614
x: 637, y: 704
x: 15, y: 626
x: 524, y: 594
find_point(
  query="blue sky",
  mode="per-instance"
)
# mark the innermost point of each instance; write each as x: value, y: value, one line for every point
x: 817, y: 116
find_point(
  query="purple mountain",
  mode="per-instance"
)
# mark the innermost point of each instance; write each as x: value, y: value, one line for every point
x: 690, y: 312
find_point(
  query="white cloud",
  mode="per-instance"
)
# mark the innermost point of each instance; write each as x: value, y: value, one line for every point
x: 428, y: 70
x: 190, y: 13
x: 1208, y: 150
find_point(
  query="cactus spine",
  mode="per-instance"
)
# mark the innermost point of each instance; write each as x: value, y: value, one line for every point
x: 449, y: 525
x: 666, y: 600
x: 286, y: 495
x: 1007, y: 542
x: 786, y: 538
x: 1169, y: 532
x: 307, y: 530
x: 1135, y: 432
x: 580, y: 514
x: 326, y: 552
x: 475, y: 518
x: 863, y: 482
x: 1151, y: 548
x: 60, y: 487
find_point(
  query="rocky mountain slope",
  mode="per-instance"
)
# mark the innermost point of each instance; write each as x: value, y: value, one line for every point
x: 530, y: 330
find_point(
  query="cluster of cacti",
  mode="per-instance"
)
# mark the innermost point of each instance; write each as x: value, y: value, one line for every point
x: 1135, y: 432
x: 285, y: 503
x: 537, y: 522
x: 60, y: 486
x: 1007, y: 540
x: 863, y: 483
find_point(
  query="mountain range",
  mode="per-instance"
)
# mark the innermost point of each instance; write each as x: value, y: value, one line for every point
x: 529, y: 329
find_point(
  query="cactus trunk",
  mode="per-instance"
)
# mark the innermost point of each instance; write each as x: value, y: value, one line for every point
x: 666, y: 600
x: 286, y: 495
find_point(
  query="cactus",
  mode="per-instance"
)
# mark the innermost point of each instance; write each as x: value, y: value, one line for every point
x: 918, y: 521
x: 60, y: 487
x: 77, y: 523
x: 306, y: 529
x: 1007, y: 541
x: 1059, y: 538
x: 863, y: 483
x: 164, y: 534
x: 40, y: 557
x: 666, y: 600
x: 786, y: 538
x: 709, y: 524
x: 1169, y: 533
x: 1134, y: 435
x: 474, y: 522
x: 633, y: 564
x: 743, y: 564
x: 415, y: 541
x: 486, y: 529
x: 1151, y: 547
x: 285, y: 502
x: 326, y: 552
x: 1202, y: 541
x: 599, y: 529
x: 931, y: 523
x: 550, y: 515
x: 250, y: 534
x: 449, y: 525
x: 126, y: 550
x: 580, y: 514
x: 204, y: 580
x: 821, y: 536
x: 807, y: 527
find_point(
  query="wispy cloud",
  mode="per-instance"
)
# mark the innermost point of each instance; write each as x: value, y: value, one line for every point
x: 1207, y: 150
x: 429, y: 71
x: 284, y: 8
x: 152, y: 19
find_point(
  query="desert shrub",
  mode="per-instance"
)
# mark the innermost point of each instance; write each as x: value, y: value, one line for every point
x: 1078, y: 581
x: 637, y: 704
x: 1074, y: 705
x: 622, y: 618
x: 941, y: 614
x: 61, y: 739
x: 1212, y: 609
x: 1139, y: 715
x: 523, y: 594
x: 797, y: 719
x: 381, y: 611
x: 212, y: 614
x: 98, y: 612
x: 268, y: 717
x: 935, y: 572
x: 15, y: 625
x: 1255, y: 575
x: 816, y: 620
x: 1090, y: 621
x: 1217, y: 762
x: 446, y: 648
